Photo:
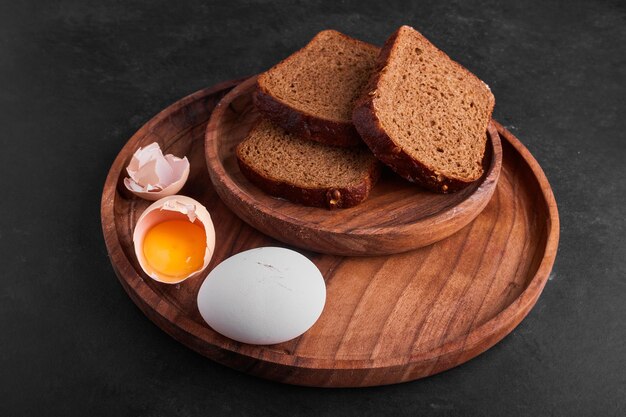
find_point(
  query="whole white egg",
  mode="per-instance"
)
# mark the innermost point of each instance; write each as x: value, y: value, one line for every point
x: 263, y: 296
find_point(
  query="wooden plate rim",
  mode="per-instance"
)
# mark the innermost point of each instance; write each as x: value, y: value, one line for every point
x: 148, y: 300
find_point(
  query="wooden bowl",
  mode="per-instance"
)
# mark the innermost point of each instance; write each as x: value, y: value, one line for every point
x: 398, y: 216
x: 387, y: 319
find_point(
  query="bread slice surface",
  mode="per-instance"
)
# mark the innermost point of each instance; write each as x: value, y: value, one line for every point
x: 312, y: 92
x: 425, y: 115
x: 304, y: 171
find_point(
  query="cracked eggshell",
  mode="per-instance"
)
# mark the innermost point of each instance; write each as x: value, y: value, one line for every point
x: 153, y: 175
x: 263, y: 296
x: 175, y: 207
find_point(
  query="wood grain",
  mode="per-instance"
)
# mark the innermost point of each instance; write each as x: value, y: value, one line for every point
x: 397, y: 216
x: 387, y: 319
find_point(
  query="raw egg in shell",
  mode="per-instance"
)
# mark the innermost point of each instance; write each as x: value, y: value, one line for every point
x: 174, y: 239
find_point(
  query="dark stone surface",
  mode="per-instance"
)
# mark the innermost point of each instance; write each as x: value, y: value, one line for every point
x: 79, y: 77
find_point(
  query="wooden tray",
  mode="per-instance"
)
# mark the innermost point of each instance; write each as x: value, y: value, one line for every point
x: 398, y: 216
x: 387, y: 319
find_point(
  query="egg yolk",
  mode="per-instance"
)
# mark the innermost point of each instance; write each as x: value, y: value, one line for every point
x: 175, y: 248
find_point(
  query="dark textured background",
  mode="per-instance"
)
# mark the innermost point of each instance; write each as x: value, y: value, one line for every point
x: 77, y: 78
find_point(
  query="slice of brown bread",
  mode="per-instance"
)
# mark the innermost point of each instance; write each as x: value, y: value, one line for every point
x: 425, y: 115
x: 304, y: 171
x: 312, y: 92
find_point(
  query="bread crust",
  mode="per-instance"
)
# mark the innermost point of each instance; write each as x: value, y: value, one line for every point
x: 329, y: 132
x: 328, y: 197
x: 382, y: 145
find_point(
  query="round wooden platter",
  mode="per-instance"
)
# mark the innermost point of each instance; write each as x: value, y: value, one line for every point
x: 387, y: 319
x: 397, y: 216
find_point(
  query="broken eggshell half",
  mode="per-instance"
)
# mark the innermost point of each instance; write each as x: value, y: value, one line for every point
x: 153, y: 175
x: 176, y: 207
